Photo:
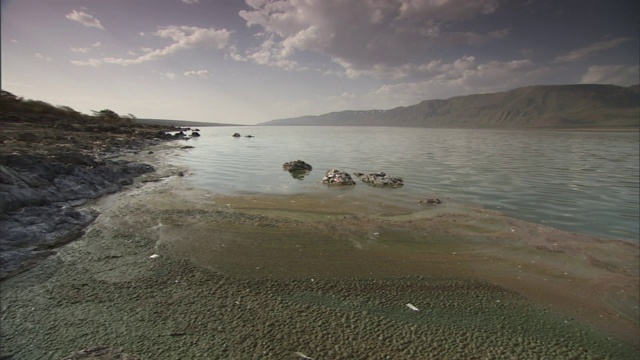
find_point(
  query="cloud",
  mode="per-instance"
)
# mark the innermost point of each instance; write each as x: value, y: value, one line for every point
x: 170, y: 75
x: 42, y: 57
x: 204, y: 74
x: 623, y: 75
x: 90, y: 62
x: 269, y: 53
x: 84, y: 19
x: 439, y: 80
x: 191, y: 1
x: 363, y: 37
x: 584, y: 52
x: 182, y: 37
x: 83, y: 50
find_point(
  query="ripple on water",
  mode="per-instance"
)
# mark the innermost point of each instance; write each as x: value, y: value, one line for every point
x: 583, y: 182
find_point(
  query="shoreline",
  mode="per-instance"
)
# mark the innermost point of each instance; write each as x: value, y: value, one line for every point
x: 266, y: 277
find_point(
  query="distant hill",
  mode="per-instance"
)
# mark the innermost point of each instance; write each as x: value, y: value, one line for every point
x: 552, y: 106
x: 181, y: 123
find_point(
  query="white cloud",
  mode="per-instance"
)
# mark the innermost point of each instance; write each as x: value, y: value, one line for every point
x: 623, y: 75
x: 204, y: 74
x: 42, y: 57
x: 584, y: 52
x: 450, y: 10
x: 270, y: 53
x: 170, y: 75
x: 14, y: 41
x: 83, y: 50
x: 191, y: 1
x: 444, y: 80
x: 84, y: 19
x: 182, y: 37
x: 90, y: 62
x: 97, y: 44
x: 363, y: 37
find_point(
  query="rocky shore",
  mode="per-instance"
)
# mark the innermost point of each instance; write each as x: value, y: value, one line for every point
x: 51, y: 165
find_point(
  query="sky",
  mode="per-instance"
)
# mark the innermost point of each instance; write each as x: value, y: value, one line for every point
x: 246, y: 62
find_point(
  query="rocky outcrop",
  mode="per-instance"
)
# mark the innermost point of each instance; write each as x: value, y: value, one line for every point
x: 297, y: 165
x: 380, y: 179
x: 37, y: 199
x: 236, y: 135
x: 297, y: 168
x: 337, y: 177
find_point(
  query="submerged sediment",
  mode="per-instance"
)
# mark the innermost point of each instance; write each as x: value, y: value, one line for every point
x: 273, y: 277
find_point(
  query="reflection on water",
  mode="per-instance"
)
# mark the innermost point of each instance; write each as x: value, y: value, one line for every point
x: 576, y: 181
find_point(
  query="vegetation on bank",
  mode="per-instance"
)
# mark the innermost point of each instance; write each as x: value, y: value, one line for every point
x: 18, y: 108
x: 33, y: 127
x: 14, y: 108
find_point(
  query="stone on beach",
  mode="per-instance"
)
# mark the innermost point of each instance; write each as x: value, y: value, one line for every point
x: 380, y: 179
x: 334, y: 176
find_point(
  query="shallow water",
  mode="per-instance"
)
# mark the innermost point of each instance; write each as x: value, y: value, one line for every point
x: 577, y: 181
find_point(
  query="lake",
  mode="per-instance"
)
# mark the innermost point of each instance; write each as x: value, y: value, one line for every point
x: 579, y: 181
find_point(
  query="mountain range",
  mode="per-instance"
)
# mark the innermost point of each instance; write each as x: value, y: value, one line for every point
x: 543, y: 106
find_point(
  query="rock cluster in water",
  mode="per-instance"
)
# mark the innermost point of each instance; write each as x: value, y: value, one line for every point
x: 335, y: 176
x: 380, y: 179
x: 297, y: 165
x: 297, y: 168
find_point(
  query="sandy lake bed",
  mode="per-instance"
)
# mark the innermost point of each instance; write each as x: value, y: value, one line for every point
x: 170, y: 271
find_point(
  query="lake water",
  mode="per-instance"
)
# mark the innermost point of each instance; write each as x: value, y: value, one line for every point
x: 585, y: 182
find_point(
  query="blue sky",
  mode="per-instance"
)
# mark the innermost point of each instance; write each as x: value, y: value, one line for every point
x: 246, y: 62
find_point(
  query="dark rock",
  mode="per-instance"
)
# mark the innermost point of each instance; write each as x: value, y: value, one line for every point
x: 236, y: 135
x: 334, y: 176
x: 35, y: 195
x: 380, y: 179
x: 431, y: 201
x: 296, y: 165
x: 164, y: 135
x: 297, y: 168
x: 195, y: 134
x: 249, y: 136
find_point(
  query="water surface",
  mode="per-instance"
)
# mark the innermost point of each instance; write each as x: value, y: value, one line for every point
x: 585, y: 182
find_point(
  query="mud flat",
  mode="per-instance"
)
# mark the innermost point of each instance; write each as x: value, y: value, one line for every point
x: 327, y: 277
